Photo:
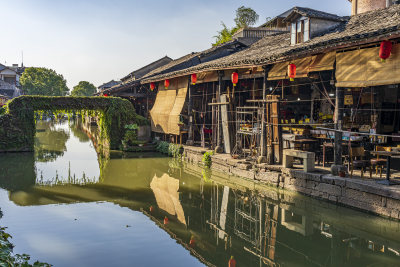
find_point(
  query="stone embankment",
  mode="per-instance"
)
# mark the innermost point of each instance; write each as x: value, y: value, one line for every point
x: 362, y: 194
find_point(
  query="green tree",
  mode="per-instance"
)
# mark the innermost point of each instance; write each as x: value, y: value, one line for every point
x: 43, y: 81
x: 84, y: 89
x: 224, y: 35
x: 245, y: 17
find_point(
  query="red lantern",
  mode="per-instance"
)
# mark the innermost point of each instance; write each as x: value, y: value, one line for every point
x: 385, y: 50
x: 194, y: 78
x: 105, y: 95
x: 166, y: 220
x: 151, y: 209
x: 292, y: 72
x: 232, y: 262
x: 166, y: 83
x: 152, y: 86
x: 235, y: 78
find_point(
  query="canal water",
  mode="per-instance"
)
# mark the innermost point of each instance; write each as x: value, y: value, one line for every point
x: 66, y: 206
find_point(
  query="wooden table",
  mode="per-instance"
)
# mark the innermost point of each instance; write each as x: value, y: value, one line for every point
x: 332, y: 145
x: 389, y: 155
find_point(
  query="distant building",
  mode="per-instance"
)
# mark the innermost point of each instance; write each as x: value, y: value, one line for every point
x: 9, y: 80
x: 107, y: 85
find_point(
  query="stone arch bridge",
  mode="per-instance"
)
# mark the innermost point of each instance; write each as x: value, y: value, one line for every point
x: 17, y: 118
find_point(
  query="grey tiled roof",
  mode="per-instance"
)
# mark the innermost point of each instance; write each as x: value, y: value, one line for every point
x: 312, y: 13
x: 367, y: 27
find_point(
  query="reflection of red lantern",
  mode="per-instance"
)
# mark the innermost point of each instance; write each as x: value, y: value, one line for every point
x: 292, y: 71
x: 192, y: 242
x: 232, y: 262
x: 105, y: 95
x: 166, y: 83
x: 194, y: 78
x: 235, y: 78
x: 152, y: 86
x: 385, y: 50
x: 166, y: 220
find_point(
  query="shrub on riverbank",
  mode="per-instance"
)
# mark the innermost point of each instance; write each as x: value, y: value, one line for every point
x: 170, y: 149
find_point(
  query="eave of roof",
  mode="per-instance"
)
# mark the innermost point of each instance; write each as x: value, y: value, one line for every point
x: 312, y: 13
x: 367, y: 27
x: 138, y: 70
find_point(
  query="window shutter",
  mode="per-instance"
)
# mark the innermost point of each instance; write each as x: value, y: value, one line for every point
x: 294, y: 32
x: 306, y: 30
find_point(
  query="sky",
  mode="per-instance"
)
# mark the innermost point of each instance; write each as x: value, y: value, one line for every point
x: 101, y: 40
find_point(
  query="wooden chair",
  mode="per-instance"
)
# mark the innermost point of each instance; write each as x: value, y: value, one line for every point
x: 379, y: 163
x: 357, y: 160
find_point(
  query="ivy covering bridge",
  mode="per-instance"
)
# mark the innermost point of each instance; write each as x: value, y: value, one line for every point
x: 17, y: 118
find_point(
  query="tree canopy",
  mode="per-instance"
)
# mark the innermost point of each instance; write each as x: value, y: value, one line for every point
x: 245, y: 17
x: 84, y: 88
x: 43, y: 81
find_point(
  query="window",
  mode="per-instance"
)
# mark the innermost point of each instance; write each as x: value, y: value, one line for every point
x: 300, y: 31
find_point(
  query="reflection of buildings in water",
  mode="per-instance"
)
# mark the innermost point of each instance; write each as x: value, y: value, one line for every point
x: 247, y: 217
x: 256, y: 222
x: 297, y: 223
x: 165, y: 190
x: 224, y: 211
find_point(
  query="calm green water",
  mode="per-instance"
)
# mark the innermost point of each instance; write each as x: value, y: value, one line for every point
x: 65, y: 206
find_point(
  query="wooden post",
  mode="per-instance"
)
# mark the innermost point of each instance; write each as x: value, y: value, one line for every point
x: 270, y: 134
x: 262, y: 158
x: 219, y: 148
x: 190, y: 140
x: 338, y: 125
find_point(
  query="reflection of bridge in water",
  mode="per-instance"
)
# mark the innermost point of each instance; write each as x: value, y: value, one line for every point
x: 256, y: 224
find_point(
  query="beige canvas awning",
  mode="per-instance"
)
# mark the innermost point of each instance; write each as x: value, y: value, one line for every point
x: 181, y: 85
x: 363, y: 67
x: 163, y: 105
x: 168, y: 106
x: 323, y: 62
x: 205, y: 77
x: 279, y: 70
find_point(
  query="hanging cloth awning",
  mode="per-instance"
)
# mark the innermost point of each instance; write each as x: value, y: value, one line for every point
x: 174, y: 116
x: 205, y: 77
x: 163, y: 105
x: 363, y: 67
x: 168, y: 106
x: 279, y: 70
x: 323, y: 62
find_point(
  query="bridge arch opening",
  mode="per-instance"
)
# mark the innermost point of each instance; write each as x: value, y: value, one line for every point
x: 17, y: 118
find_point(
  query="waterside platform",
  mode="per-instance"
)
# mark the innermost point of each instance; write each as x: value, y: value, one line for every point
x: 363, y: 194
